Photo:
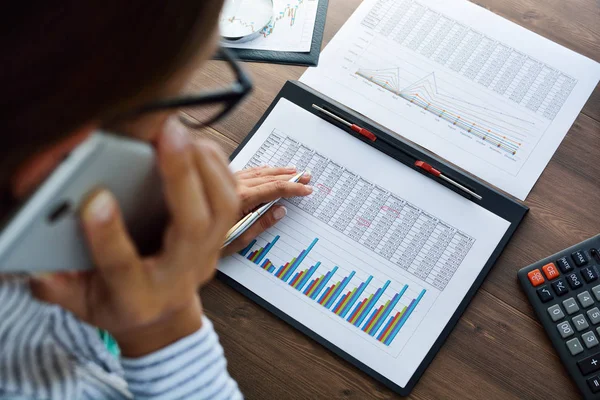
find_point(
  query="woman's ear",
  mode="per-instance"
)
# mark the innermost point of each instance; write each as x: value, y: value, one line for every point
x: 32, y: 172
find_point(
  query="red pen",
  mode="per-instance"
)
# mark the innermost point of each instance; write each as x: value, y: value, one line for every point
x: 361, y: 131
x: 418, y: 163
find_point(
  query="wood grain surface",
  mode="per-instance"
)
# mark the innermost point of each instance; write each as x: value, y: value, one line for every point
x: 498, y: 350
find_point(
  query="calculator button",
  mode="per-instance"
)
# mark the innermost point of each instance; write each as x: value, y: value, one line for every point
x: 544, y: 294
x: 585, y: 299
x: 556, y: 313
x: 594, y: 315
x: 565, y: 330
x: 589, y: 364
x: 550, y: 271
x: 574, y: 280
x: 560, y: 287
x: 590, y: 274
x: 574, y: 346
x: 579, y: 322
x: 535, y: 277
x: 565, y: 264
x: 594, y: 383
x: 596, y: 291
x: 580, y: 258
x: 589, y: 339
x: 570, y: 306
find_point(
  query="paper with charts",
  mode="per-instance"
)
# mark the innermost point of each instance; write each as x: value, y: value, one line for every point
x: 291, y: 29
x: 369, y: 261
x: 474, y: 88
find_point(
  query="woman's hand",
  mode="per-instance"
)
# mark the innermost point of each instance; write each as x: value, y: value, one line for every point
x: 257, y: 186
x: 148, y: 303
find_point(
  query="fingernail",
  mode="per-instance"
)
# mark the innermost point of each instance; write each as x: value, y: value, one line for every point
x: 177, y: 139
x: 309, y: 189
x: 291, y: 168
x: 308, y: 173
x: 279, y: 213
x: 100, y: 208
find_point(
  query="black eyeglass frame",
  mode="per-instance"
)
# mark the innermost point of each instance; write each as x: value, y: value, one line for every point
x: 230, y: 96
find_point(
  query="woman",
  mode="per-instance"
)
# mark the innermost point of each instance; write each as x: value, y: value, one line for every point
x: 73, y: 68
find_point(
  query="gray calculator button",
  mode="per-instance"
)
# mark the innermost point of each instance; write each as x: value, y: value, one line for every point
x: 556, y: 313
x: 585, y: 299
x: 570, y: 306
x: 565, y: 330
x: 594, y: 315
x: 574, y: 346
x: 589, y: 339
x: 596, y: 291
x: 580, y: 323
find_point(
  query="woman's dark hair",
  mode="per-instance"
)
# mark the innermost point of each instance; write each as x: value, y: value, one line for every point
x: 69, y: 62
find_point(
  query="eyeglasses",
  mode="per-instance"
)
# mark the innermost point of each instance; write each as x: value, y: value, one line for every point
x: 212, y: 106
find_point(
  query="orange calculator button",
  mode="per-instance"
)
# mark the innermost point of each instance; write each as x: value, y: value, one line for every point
x: 550, y: 271
x: 535, y: 277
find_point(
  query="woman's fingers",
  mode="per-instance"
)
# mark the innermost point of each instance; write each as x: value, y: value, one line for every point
x: 113, y: 251
x: 184, y: 190
x: 271, y: 217
x: 252, y: 182
x: 258, y: 172
x: 254, y: 196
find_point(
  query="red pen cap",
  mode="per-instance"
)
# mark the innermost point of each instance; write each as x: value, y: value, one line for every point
x: 426, y: 167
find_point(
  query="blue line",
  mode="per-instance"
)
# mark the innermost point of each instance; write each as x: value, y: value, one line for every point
x: 357, y: 296
x: 404, y: 319
x: 299, y: 260
x: 269, y: 247
x: 387, y: 312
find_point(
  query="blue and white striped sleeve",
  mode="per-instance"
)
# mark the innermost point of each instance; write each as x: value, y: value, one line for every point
x: 191, y: 368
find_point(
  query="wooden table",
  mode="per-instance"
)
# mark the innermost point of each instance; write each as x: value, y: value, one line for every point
x: 498, y: 350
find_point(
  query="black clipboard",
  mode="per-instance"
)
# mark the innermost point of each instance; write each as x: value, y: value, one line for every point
x: 492, y: 200
x: 310, y: 58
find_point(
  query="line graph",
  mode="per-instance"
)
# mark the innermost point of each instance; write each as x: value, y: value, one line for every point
x: 492, y: 126
x: 289, y: 12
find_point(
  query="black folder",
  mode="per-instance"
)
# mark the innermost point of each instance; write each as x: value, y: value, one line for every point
x: 494, y: 201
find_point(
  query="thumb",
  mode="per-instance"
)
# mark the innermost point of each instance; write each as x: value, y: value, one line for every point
x: 65, y: 289
x: 271, y: 217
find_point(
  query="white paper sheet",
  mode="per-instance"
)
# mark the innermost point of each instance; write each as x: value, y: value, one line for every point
x: 478, y: 90
x: 369, y: 216
x: 291, y: 30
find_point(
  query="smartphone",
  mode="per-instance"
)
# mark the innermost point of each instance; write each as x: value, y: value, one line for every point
x: 45, y: 234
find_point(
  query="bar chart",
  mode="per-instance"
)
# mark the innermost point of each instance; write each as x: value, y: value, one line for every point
x: 362, y: 300
x: 370, y: 216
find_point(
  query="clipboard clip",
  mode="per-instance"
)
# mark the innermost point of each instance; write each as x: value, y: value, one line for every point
x: 418, y: 164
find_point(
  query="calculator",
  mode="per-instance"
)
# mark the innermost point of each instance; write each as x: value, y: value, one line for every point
x: 564, y: 290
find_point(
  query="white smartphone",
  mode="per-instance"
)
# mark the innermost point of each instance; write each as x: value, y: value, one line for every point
x: 45, y: 234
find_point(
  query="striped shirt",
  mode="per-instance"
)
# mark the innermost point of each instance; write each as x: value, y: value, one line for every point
x: 47, y: 353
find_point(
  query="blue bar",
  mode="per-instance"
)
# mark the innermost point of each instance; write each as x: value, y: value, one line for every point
x: 339, y: 290
x: 404, y: 318
x: 385, y: 328
x: 387, y: 312
x: 280, y: 269
x: 324, y: 283
x: 308, y: 287
x: 295, y: 276
x: 247, y: 249
x: 299, y: 260
x: 357, y: 296
x: 370, y: 318
x: 265, y: 263
x: 271, y: 269
x: 308, y: 275
x: 339, y: 302
x: 269, y: 247
x: 374, y: 300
